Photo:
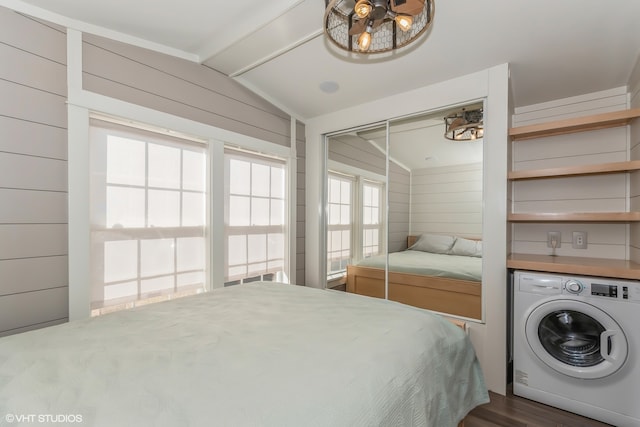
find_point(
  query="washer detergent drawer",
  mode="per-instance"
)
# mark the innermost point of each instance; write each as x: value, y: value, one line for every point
x: 539, y: 284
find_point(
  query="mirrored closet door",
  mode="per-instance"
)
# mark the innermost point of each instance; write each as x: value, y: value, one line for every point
x: 430, y: 182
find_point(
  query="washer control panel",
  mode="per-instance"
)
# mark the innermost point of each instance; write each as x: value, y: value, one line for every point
x: 583, y: 286
x: 621, y: 290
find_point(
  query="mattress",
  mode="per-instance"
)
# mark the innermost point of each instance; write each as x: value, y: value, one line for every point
x: 429, y: 264
x: 260, y: 354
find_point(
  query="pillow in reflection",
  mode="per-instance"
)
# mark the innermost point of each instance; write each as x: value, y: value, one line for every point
x: 467, y: 247
x: 434, y: 243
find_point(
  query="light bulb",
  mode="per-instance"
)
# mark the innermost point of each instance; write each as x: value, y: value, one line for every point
x: 362, y: 8
x: 404, y: 22
x: 364, y: 41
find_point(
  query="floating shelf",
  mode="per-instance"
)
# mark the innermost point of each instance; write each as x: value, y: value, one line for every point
x: 575, y: 217
x: 602, y: 168
x: 620, y: 269
x: 578, y: 124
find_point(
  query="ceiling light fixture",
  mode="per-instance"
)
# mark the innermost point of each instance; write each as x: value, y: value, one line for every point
x: 464, y: 125
x: 375, y: 26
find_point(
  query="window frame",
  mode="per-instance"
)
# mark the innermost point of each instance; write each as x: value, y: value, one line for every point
x: 101, y: 232
x: 231, y: 152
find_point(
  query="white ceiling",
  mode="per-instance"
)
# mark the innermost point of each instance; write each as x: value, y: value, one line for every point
x: 556, y: 48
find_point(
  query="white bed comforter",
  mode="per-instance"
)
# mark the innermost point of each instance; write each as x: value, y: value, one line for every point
x: 262, y: 354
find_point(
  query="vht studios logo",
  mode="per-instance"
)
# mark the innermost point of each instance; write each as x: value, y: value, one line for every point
x: 43, y: 418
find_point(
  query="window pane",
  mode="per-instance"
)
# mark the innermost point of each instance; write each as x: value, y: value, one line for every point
x: 277, y: 212
x: 193, y: 209
x: 191, y: 253
x: 334, y: 191
x: 164, y: 208
x: 346, y: 239
x: 276, y: 245
x: 194, y: 170
x: 239, y: 211
x: 277, y: 182
x: 345, y: 192
x: 257, y: 247
x: 237, y: 250
x: 164, y: 166
x: 125, y: 207
x: 240, y: 174
x: 125, y: 161
x: 156, y: 257
x: 120, y: 260
x: 156, y: 284
x: 259, y: 211
x: 193, y: 278
x: 120, y: 290
x: 345, y: 214
x: 260, y: 184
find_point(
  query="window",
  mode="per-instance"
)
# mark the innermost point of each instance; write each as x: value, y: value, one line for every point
x: 349, y: 240
x: 340, y: 223
x: 148, y: 217
x: 256, y: 220
x: 371, y: 218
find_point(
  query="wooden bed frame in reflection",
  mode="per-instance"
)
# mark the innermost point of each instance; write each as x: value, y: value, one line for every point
x: 441, y: 294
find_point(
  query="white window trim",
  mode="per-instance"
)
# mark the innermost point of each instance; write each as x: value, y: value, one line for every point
x: 80, y: 104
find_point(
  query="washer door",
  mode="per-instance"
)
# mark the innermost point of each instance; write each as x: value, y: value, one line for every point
x: 576, y: 339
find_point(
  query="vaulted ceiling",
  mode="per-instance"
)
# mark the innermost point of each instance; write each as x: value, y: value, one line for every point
x: 556, y: 48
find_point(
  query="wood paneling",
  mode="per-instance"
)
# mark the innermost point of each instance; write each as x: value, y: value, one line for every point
x: 35, y: 139
x: 32, y: 240
x: 447, y: 200
x: 32, y: 308
x: 32, y: 207
x: 22, y: 102
x: 157, y: 81
x: 34, y: 36
x: 33, y: 274
x: 33, y: 173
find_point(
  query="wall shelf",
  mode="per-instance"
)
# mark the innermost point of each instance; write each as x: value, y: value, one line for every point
x: 620, y: 269
x: 566, y: 264
x: 602, y: 168
x: 575, y: 217
x: 578, y: 124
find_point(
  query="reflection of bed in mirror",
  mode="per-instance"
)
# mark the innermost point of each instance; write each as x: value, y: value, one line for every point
x: 443, y: 275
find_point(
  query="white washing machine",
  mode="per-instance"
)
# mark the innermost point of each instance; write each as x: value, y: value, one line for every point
x: 576, y: 344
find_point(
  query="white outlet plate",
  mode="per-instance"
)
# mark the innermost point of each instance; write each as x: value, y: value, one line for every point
x: 554, y: 235
x: 579, y: 240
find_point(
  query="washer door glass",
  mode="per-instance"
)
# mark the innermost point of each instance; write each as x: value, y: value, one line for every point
x: 575, y: 338
x: 572, y: 337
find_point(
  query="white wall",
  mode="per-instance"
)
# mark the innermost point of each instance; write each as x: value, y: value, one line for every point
x: 489, y: 338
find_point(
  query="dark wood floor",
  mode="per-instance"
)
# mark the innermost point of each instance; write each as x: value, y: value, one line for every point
x: 515, y: 411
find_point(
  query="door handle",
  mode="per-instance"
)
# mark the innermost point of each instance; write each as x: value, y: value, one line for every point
x: 606, y: 338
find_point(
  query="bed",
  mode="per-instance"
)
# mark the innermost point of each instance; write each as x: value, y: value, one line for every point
x: 259, y: 354
x: 438, y: 272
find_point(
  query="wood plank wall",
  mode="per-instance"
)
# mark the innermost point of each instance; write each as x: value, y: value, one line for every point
x: 33, y: 174
x: 587, y: 193
x: 182, y: 88
x: 399, y: 207
x: 447, y: 200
